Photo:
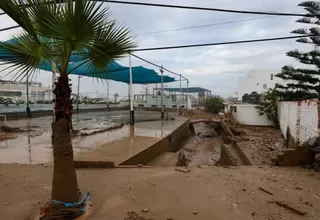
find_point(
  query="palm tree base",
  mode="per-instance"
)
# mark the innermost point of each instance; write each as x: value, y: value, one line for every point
x: 64, y: 182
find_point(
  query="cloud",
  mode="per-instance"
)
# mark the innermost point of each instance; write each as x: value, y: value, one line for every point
x: 215, y: 68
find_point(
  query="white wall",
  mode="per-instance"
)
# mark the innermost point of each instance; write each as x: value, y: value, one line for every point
x: 301, y: 117
x: 247, y: 114
x: 155, y: 100
x: 255, y: 81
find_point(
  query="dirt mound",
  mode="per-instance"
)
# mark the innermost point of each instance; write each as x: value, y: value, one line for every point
x: 5, y: 128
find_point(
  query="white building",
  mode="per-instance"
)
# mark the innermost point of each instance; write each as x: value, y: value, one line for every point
x: 17, y: 91
x: 257, y: 81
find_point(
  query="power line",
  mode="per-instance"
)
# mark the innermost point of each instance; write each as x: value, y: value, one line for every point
x: 206, y: 9
x: 9, y: 28
x: 220, y: 43
x: 140, y: 58
x: 205, y: 25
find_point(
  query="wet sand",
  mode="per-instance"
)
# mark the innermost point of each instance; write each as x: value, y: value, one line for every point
x: 214, y: 193
x: 34, y: 147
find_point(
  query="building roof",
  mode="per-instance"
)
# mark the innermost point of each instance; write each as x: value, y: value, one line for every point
x: 185, y: 90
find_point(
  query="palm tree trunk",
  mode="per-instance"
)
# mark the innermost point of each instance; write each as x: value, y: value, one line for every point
x: 64, y: 183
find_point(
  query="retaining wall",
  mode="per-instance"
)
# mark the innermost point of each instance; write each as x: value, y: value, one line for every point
x: 172, y: 142
x: 228, y: 138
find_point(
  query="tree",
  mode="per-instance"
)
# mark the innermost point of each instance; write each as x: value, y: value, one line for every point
x: 269, y: 106
x: 304, y: 83
x: 53, y: 33
x: 214, y: 104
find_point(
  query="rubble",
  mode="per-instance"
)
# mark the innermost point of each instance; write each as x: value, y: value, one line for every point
x: 260, y: 144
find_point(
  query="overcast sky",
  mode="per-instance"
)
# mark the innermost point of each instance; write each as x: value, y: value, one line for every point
x: 216, y: 68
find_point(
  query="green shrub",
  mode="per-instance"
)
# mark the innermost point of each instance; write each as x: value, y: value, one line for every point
x: 214, y: 104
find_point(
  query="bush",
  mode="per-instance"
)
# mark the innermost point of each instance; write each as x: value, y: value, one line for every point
x: 214, y: 104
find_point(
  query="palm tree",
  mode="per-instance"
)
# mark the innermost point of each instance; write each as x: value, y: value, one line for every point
x: 5, y: 101
x: 116, y: 97
x: 53, y: 33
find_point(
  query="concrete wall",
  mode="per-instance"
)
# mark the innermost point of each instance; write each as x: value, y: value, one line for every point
x: 299, y: 120
x: 172, y: 142
x: 247, y: 114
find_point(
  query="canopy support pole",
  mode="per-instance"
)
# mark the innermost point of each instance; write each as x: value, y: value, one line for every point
x: 108, y: 95
x: 28, y: 108
x: 162, y: 108
x: 130, y: 91
x: 78, y: 98
x: 180, y: 93
x: 187, y: 94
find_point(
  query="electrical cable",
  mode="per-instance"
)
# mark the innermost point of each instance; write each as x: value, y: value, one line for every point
x: 205, y: 8
x: 140, y: 58
x: 220, y: 43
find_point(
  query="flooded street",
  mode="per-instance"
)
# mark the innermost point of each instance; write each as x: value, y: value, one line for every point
x: 34, y: 147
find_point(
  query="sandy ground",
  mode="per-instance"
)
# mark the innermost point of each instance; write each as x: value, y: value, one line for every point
x: 214, y: 193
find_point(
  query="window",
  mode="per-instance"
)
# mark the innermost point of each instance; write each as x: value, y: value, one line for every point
x: 271, y: 76
x: 10, y: 93
x: 265, y: 86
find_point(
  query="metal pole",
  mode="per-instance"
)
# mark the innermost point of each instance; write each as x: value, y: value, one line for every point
x: 162, y: 108
x: 53, y: 85
x: 180, y: 92
x: 187, y: 94
x: 78, y: 93
x: 28, y: 111
x: 131, y: 98
x: 108, y: 92
x: 156, y: 94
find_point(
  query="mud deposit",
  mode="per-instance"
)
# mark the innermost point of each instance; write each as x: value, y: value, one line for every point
x: 202, y: 149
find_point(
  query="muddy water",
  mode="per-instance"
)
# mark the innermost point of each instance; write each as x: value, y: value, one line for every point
x: 202, y: 149
x: 34, y: 147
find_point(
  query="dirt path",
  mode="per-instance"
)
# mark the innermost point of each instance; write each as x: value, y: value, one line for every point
x: 212, y: 193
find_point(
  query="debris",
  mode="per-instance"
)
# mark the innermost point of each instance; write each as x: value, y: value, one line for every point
x: 308, y: 203
x: 135, y: 216
x: 182, y: 170
x: 145, y: 210
x: 294, y: 210
x: 194, y: 212
x: 140, y: 165
x: 266, y: 191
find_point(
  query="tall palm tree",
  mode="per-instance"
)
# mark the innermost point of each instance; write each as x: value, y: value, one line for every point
x: 53, y: 33
x: 116, y: 97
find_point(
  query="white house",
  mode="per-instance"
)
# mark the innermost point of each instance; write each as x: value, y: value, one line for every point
x: 257, y: 81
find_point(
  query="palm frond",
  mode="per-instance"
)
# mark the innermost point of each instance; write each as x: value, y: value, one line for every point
x: 24, y: 53
x: 111, y: 42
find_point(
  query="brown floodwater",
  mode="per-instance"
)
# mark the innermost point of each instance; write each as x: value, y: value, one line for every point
x: 34, y: 147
